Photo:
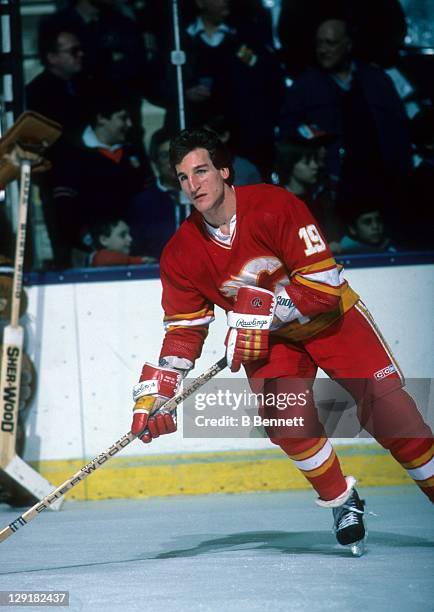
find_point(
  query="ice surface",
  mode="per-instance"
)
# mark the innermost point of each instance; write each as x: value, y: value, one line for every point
x: 257, y: 551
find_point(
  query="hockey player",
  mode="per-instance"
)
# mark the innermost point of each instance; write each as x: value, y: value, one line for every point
x: 257, y: 252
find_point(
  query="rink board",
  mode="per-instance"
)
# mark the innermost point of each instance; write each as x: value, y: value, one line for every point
x: 225, y: 472
x: 88, y: 342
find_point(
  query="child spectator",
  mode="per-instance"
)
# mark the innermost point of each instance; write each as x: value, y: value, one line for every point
x: 366, y: 231
x: 112, y: 240
x: 300, y: 169
x: 97, y: 180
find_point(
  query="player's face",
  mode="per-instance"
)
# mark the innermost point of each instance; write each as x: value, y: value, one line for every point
x: 201, y: 181
x: 306, y: 171
x: 119, y: 239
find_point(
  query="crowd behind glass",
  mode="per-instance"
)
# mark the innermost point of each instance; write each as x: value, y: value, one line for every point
x: 317, y: 97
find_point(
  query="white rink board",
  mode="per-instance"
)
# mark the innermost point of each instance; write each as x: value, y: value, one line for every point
x: 89, y: 340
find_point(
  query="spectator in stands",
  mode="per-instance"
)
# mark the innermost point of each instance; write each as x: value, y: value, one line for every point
x: 228, y: 74
x: 156, y: 212
x: 159, y: 154
x: 112, y: 241
x: 115, y: 50
x: 99, y: 178
x: 366, y: 230
x: 359, y: 104
x: 300, y: 165
x: 61, y: 91
x: 64, y: 93
x: 245, y: 173
x: 299, y: 168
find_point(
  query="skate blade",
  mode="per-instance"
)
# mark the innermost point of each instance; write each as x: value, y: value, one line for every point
x: 357, y: 548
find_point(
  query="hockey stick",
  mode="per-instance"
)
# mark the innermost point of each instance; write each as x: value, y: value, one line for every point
x: 98, y: 461
x: 13, y: 334
x: 34, y: 133
x: 14, y: 472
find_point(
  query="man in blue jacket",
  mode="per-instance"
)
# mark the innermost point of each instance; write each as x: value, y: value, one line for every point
x: 358, y: 103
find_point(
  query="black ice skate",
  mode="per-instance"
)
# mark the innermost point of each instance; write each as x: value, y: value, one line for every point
x: 348, y: 511
x: 349, y: 527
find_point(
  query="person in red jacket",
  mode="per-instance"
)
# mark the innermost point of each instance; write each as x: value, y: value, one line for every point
x: 113, y: 240
x: 257, y: 252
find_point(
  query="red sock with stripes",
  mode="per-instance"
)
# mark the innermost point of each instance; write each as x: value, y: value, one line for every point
x: 317, y: 461
x: 416, y: 455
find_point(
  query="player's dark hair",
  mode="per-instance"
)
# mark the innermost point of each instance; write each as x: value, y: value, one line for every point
x: 288, y: 154
x: 200, y: 138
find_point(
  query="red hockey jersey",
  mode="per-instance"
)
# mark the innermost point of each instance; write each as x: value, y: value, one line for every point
x: 277, y: 244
